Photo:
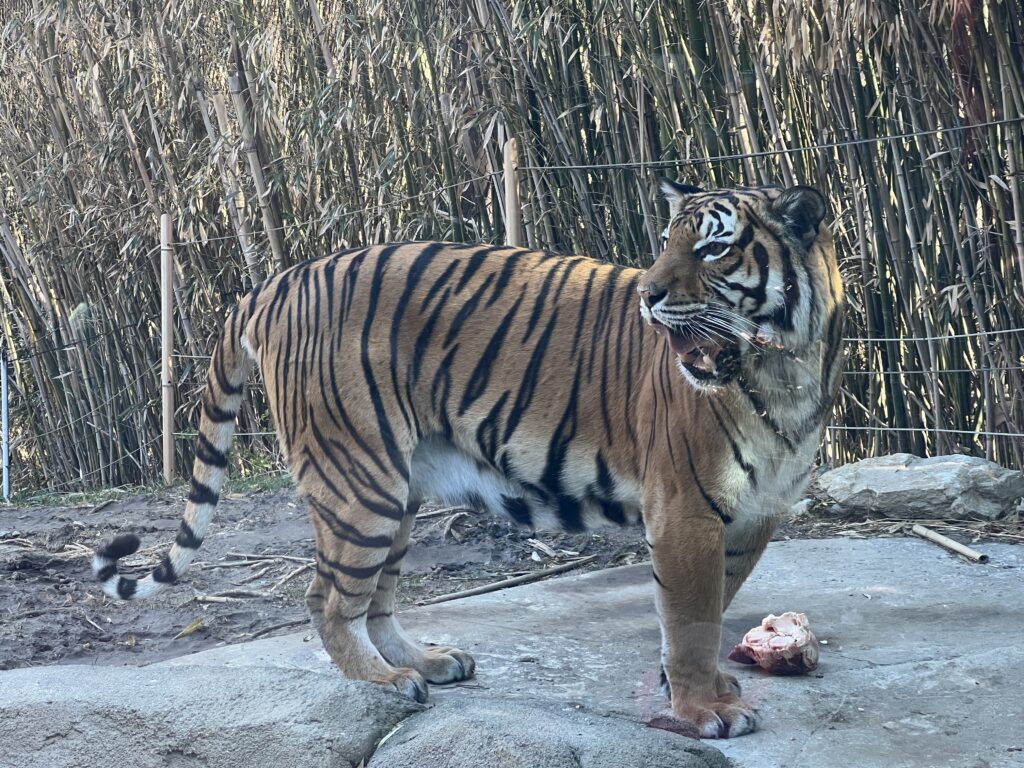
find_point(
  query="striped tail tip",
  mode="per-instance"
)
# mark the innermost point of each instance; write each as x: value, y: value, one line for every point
x: 104, y: 565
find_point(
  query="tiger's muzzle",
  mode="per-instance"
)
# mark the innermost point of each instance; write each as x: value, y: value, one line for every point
x: 710, y: 357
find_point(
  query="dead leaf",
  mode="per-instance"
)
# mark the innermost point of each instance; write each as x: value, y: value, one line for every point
x: 194, y: 626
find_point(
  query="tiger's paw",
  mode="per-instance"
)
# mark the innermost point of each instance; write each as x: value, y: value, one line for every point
x: 442, y: 665
x: 724, y: 719
x: 725, y: 685
x: 409, y: 683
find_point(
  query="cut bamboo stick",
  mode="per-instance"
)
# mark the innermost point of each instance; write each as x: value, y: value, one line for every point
x: 513, y: 211
x: 953, y: 546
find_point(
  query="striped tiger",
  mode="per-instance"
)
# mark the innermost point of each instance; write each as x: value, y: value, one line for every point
x: 528, y: 384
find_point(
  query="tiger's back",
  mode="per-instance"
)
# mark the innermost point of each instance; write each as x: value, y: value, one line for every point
x: 469, y: 374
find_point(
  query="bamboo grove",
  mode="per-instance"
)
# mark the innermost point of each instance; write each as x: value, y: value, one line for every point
x: 277, y: 130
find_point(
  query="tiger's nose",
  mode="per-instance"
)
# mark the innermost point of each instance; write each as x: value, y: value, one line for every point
x: 652, y: 295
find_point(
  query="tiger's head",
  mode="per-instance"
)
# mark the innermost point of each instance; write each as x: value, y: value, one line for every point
x: 742, y: 273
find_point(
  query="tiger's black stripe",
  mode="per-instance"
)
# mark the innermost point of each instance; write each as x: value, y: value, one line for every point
x: 482, y: 373
x: 202, y: 494
x: 187, y: 538
x: 387, y: 434
x: 708, y: 499
x: 217, y: 415
x: 207, y: 453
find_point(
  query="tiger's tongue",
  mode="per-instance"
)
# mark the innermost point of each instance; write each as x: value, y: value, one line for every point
x: 697, y: 353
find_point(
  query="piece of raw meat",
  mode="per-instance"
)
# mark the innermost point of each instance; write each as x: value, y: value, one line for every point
x: 783, y: 645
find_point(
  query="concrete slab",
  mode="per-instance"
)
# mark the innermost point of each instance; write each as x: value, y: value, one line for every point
x: 923, y: 666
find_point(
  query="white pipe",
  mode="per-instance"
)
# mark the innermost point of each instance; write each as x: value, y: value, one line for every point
x: 6, y: 426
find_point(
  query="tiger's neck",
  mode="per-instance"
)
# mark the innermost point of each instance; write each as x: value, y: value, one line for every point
x: 767, y: 422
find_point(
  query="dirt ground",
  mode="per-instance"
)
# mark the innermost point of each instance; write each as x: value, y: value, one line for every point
x: 249, y: 578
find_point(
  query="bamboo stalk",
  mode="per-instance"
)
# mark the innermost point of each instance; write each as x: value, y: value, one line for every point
x: 256, y: 167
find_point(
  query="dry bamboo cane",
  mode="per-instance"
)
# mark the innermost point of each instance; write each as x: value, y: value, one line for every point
x: 230, y: 181
x: 321, y: 36
x: 262, y: 192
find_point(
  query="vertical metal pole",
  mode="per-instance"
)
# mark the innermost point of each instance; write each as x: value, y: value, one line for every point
x: 6, y: 425
x: 513, y: 212
x: 167, y: 342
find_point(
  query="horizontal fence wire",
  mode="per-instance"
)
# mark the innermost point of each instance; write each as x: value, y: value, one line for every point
x: 940, y: 430
x: 189, y: 435
x: 876, y: 339
x: 376, y: 208
x: 769, y: 152
x: 100, y: 470
x: 82, y: 344
x: 936, y: 371
x: 94, y: 411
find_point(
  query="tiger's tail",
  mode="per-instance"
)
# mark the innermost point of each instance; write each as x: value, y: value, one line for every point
x: 226, y: 377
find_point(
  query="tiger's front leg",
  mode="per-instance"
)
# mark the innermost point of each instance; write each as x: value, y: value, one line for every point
x: 687, y: 550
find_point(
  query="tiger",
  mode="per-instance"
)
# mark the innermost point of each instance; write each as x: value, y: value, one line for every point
x: 559, y: 391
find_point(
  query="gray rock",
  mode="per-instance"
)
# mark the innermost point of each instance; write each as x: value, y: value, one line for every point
x: 82, y: 717
x: 474, y: 733
x: 905, y: 486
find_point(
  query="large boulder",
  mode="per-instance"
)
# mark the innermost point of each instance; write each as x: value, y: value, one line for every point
x: 159, y: 716
x: 497, y: 733
x: 906, y: 486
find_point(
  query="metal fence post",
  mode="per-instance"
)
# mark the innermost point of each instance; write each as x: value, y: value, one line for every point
x: 5, y: 424
x: 167, y: 342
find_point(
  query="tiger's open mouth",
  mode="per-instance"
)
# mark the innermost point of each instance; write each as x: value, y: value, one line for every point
x: 705, y: 356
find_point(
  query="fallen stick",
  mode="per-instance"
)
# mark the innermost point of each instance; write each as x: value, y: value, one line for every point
x: 284, y: 580
x: 257, y: 558
x: 282, y: 625
x: 256, y: 575
x: 953, y: 546
x: 101, y: 506
x: 524, y: 579
x: 230, y: 596
x: 240, y: 593
x: 233, y: 564
x: 97, y: 626
x: 436, y: 512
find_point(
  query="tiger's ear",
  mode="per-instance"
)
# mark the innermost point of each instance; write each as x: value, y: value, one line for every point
x: 676, y: 194
x: 801, y: 210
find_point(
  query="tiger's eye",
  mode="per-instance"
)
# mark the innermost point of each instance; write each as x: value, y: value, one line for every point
x: 712, y: 251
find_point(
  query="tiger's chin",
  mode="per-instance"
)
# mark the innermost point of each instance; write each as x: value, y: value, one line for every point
x: 705, y: 361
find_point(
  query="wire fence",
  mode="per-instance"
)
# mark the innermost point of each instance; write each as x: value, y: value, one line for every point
x: 927, y: 188
x: 769, y: 153
x: 97, y: 339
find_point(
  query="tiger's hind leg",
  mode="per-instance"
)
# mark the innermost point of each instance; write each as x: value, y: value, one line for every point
x: 439, y: 665
x: 350, y: 556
